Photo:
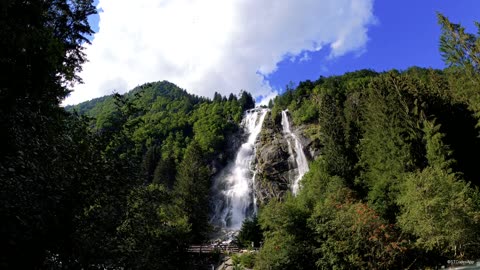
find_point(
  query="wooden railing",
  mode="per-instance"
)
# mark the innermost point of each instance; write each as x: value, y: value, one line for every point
x: 221, y: 248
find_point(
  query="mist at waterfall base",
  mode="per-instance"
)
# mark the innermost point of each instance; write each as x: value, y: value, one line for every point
x: 296, y: 153
x: 233, y: 195
x: 234, y: 198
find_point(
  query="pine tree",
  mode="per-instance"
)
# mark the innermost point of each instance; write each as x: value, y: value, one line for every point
x: 154, y: 232
x: 436, y: 206
x: 217, y: 97
x: 384, y: 150
x: 246, y: 100
x: 332, y: 130
x: 192, y: 190
x: 41, y: 52
x: 459, y: 48
x: 165, y: 172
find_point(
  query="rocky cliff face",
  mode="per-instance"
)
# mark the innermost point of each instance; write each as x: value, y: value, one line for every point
x: 272, y: 178
x: 275, y: 169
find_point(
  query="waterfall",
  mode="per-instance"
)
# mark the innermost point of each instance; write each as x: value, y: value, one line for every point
x: 233, y: 196
x: 296, y: 152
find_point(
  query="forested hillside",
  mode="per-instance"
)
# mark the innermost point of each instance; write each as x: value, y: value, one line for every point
x: 397, y: 182
x: 124, y: 181
x: 128, y: 188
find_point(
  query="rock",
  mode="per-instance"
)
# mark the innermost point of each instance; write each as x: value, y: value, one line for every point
x: 272, y: 162
x: 311, y: 147
x: 275, y: 170
x: 227, y: 264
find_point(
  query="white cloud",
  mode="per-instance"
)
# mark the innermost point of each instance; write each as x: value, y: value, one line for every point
x: 306, y: 57
x: 264, y: 100
x: 213, y: 45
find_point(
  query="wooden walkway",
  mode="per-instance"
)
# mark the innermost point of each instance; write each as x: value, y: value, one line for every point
x: 221, y: 248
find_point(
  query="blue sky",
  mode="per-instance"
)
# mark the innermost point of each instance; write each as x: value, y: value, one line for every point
x: 406, y: 34
x: 260, y: 46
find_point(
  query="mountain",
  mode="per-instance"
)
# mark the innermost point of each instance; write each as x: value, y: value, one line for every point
x: 372, y: 141
x: 365, y: 170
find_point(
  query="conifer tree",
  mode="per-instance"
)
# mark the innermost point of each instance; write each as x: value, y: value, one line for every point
x: 436, y: 206
x: 192, y: 190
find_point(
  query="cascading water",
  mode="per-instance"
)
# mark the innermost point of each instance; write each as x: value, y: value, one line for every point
x: 234, y: 199
x: 296, y: 152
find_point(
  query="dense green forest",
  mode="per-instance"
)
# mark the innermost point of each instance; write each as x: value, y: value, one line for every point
x: 129, y: 188
x: 397, y: 182
x: 122, y: 181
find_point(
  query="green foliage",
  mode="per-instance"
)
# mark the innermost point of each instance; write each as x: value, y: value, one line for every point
x: 125, y: 184
x: 165, y: 172
x: 318, y: 185
x: 332, y: 137
x: 436, y: 206
x: 436, y: 152
x: 40, y: 55
x: 246, y: 100
x: 461, y: 51
x: 437, y: 210
x: 390, y: 131
x: 282, y: 251
x: 286, y: 235
x: 249, y: 233
x: 244, y: 260
x: 325, y: 227
x: 307, y: 113
x: 459, y: 48
x: 209, y: 126
x: 155, y: 230
x: 41, y: 50
x: 192, y: 189
x: 386, y: 190
x: 350, y: 234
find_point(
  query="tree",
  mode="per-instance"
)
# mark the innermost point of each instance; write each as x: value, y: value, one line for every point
x: 270, y: 103
x: 351, y: 234
x: 165, y: 172
x: 385, y: 154
x: 332, y: 135
x: 40, y: 54
x: 287, y: 237
x: 436, y: 206
x: 246, y: 100
x: 250, y: 233
x: 42, y: 49
x: 149, y: 163
x: 155, y: 230
x: 217, y: 97
x: 461, y: 51
x: 232, y: 97
x: 192, y: 189
x: 459, y: 48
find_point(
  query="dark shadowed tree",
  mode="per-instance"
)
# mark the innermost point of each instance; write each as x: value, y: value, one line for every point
x: 192, y: 189
x: 246, y: 100
x: 41, y: 53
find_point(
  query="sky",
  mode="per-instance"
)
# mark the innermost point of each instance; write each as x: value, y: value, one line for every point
x: 225, y: 46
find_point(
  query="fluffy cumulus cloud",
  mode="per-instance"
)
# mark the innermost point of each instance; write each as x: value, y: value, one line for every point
x: 214, y: 45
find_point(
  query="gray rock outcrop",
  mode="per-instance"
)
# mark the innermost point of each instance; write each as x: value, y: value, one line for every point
x: 272, y: 160
x: 275, y: 167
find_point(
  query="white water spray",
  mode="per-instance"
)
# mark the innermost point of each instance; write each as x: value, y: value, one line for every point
x: 296, y: 152
x: 233, y: 189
